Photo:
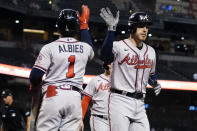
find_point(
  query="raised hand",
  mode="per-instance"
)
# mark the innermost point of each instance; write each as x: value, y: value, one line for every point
x: 109, y: 19
x: 84, y: 18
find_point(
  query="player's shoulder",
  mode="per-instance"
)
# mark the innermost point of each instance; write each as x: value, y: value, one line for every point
x: 84, y: 43
x: 118, y: 43
x: 149, y: 47
x: 95, y: 78
x: 87, y: 46
x: 103, y: 77
x: 46, y: 48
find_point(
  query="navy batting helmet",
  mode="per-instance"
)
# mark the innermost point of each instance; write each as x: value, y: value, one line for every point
x: 136, y: 19
x: 6, y: 93
x: 67, y: 22
x: 105, y: 66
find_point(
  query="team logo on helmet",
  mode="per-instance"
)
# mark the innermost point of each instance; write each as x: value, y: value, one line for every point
x: 144, y: 18
x: 67, y: 22
x: 131, y: 16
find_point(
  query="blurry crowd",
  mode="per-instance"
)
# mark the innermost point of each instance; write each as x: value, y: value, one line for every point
x: 131, y: 5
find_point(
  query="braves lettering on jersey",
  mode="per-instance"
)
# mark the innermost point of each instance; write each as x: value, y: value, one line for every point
x: 131, y: 66
x: 64, y: 61
x: 98, y: 90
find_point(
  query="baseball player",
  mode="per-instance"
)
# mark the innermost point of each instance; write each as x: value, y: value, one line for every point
x: 133, y: 65
x: 97, y: 90
x: 63, y: 61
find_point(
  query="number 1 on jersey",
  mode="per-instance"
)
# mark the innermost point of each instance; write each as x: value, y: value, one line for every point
x: 71, y: 73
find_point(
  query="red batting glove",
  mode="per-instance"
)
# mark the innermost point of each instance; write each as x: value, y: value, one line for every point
x: 84, y: 18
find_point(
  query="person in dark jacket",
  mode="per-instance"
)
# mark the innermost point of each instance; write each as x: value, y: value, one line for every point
x: 13, y: 113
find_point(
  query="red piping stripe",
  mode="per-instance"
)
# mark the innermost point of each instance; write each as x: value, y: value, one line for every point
x: 36, y: 66
x: 109, y: 113
x: 93, y: 123
x: 104, y: 79
x: 87, y: 94
x: 66, y: 41
x: 144, y: 68
x: 137, y: 69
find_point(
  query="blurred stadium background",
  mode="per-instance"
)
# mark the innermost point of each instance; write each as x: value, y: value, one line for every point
x: 26, y: 25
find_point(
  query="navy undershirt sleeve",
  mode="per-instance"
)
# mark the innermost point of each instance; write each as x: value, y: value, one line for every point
x: 106, y: 51
x: 36, y: 76
x: 85, y: 37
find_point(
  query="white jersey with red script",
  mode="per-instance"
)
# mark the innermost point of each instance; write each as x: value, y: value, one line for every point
x: 132, y: 66
x: 98, y: 90
x: 64, y: 62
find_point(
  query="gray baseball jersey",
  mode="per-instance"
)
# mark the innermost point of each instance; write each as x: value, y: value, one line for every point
x: 132, y: 67
x: 131, y: 70
x: 64, y: 61
x: 98, y: 90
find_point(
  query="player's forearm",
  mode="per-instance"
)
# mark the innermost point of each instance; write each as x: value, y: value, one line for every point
x: 2, y: 129
x: 28, y: 123
x: 85, y: 37
x: 84, y: 103
x: 153, y: 79
x: 106, y: 50
x: 36, y: 76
